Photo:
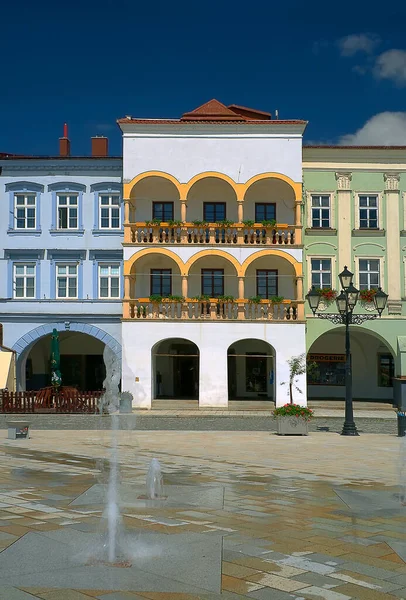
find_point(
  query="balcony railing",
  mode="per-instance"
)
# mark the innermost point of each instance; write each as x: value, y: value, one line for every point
x: 213, y: 310
x: 143, y: 234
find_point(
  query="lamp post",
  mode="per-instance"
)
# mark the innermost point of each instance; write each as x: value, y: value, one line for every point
x: 346, y: 301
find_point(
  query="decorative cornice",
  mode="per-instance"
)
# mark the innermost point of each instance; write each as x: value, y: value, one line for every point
x: 391, y: 181
x: 344, y: 180
x: 63, y: 169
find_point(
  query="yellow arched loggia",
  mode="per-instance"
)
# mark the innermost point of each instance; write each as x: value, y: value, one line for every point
x: 237, y: 187
x: 296, y: 265
x: 213, y: 253
x: 295, y: 185
x: 128, y: 187
x: 129, y: 264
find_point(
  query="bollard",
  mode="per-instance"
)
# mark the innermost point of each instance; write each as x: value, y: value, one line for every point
x: 401, y: 423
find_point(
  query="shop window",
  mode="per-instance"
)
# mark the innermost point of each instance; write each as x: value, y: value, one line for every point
x: 327, y: 369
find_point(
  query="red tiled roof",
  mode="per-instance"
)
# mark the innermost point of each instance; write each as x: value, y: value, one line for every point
x: 212, y: 111
x: 250, y: 113
x: 216, y: 112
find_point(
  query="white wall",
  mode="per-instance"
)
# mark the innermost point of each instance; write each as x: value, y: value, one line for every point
x: 213, y: 341
x: 236, y: 153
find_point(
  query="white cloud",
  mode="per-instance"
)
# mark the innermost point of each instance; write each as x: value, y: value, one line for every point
x: 360, y: 42
x: 383, y: 129
x: 391, y: 65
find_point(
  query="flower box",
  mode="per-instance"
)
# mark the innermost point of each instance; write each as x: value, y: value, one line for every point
x: 292, y: 426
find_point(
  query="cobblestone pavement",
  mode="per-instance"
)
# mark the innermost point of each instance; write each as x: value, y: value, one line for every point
x: 246, y: 515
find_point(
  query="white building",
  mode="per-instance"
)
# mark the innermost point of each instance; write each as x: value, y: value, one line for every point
x: 213, y: 291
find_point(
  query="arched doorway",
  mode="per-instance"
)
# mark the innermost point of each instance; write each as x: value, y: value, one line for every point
x: 175, y: 370
x: 251, y: 370
x: 82, y: 365
x: 372, y: 361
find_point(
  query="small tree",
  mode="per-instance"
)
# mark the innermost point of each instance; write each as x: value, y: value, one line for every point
x: 297, y: 366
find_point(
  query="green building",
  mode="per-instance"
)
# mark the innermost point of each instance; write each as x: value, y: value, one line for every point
x: 354, y: 215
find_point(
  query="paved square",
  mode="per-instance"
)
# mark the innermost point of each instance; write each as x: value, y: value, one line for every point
x: 245, y: 515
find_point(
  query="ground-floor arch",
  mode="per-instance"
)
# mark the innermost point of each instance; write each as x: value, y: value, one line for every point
x: 250, y: 368
x: 175, y: 369
x: 373, y: 366
x: 81, y: 350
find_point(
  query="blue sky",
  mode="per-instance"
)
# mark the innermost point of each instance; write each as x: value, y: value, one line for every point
x: 341, y: 66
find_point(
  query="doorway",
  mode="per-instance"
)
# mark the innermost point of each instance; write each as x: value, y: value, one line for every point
x: 251, y: 370
x: 176, y: 370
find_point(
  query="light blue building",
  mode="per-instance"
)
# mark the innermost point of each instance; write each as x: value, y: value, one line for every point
x: 61, y: 262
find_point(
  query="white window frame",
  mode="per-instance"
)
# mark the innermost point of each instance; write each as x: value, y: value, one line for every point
x: 109, y: 277
x: 25, y: 207
x: 67, y: 206
x: 381, y: 261
x: 309, y: 195
x: 379, y: 196
x: 24, y: 276
x: 110, y: 207
x: 320, y: 258
x: 68, y: 276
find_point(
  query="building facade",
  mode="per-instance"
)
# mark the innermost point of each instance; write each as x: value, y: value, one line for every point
x: 62, y: 262
x: 355, y: 216
x: 213, y: 302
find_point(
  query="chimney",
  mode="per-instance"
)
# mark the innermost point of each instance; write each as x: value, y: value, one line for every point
x: 64, y: 142
x: 100, y: 145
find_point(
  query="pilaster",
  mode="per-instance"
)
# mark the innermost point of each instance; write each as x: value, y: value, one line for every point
x: 344, y: 195
x: 393, y: 242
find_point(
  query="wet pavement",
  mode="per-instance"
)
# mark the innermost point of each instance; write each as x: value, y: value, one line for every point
x: 245, y: 515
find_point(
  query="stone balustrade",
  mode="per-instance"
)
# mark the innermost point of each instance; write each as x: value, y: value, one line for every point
x: 213, y: 310
x: 144, y: 234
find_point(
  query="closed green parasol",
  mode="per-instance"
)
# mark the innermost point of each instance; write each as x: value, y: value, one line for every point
x: 56, y: 378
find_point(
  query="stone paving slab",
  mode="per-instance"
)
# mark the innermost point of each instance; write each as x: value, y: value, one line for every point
x: 268, y: 517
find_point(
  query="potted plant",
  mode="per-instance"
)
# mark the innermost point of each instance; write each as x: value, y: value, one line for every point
x: 268, y: 223
x: 327, y: 295
x: 224, y: 223
x: 176, y: 223
x: 175, y: 298
x: 199, y: 223
x: 155, y: 298
x: 255, y: 300
x: 276, y: 299
x: 248, y: 223
x: 367, y: 296
x: 154, y: 222
x: 292, y: 419
x: 201, y: 298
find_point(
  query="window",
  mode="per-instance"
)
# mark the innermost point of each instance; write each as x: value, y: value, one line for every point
x: 369, y: 273
x: 24, y: 280
x: 66, y: 281
x: 321, y: 212
x: 386, y: 370
x: 24, y: 211
x: 321, y: 272
x: 162, y: 211
x: 368, y: 212
x: 109, y: 281
x: 109, y: 211
x: 328, y: 369
x: 213, y: 282
x: 161, y: 282
x: 214, y: 211
x: 67, y: 211
x: 264, y: 211
x: 267, y: 283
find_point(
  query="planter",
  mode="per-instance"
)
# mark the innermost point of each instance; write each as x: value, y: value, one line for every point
x: 292, y: 426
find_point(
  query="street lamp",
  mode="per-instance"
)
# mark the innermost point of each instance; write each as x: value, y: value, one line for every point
x: 346, y: 301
